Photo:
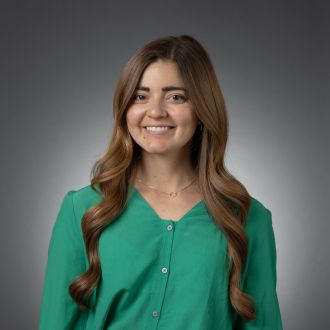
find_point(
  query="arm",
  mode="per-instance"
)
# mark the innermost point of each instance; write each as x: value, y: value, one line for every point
x: 260, y: 277
x: 58, y: 311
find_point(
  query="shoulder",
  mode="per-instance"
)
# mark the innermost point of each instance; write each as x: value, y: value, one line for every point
x: 84, y: 198
x: 258, y: 210
x: 259, y: 221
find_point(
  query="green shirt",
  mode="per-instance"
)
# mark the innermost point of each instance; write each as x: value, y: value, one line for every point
x: 157, y: 273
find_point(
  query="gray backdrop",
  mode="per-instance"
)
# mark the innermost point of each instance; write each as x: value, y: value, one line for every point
x: 59, y: 66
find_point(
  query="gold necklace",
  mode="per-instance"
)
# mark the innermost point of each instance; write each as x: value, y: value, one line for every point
x: 172, y: 193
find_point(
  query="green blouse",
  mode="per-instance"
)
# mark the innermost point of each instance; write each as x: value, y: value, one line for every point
x: 157, y: 273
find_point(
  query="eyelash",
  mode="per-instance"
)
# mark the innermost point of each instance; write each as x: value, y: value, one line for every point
x: 180, y: 96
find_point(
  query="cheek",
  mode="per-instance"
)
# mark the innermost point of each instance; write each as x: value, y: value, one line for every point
x: 131, y: 120
x: 189, y: 120
x: 133, y: 116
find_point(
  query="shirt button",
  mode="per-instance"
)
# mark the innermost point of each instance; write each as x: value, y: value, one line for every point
x: 169, y: 227
x: 154, y: 314
x: 164, y: 270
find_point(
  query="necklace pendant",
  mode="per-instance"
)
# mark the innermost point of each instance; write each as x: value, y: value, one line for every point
x: 173, y: 194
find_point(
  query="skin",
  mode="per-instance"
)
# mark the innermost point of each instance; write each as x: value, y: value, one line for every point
x: 165, y: 162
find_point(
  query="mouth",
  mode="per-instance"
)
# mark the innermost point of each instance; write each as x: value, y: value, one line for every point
x: 159, y: 126
x: 158, y: 129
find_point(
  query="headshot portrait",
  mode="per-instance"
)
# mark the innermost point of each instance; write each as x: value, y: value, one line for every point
x: 166, y: 168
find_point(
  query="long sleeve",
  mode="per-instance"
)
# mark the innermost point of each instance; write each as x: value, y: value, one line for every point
x: 58, y: 311
x: 260, y: 276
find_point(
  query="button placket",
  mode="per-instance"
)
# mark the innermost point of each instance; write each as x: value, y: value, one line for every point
x: 162, y: 280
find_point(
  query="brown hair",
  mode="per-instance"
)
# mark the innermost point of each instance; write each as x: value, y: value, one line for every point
x: 226, y: 198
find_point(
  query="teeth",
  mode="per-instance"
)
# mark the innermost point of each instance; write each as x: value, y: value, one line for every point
x: 154, y: 128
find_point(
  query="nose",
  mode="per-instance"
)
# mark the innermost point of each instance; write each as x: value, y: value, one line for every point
x: 156, y: 108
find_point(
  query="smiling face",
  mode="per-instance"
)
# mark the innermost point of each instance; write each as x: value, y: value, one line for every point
x: 161, y: 100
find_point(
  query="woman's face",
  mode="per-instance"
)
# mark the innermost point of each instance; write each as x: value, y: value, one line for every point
x: 160, y: 100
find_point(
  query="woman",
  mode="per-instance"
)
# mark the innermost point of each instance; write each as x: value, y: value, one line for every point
x: 163, y: 237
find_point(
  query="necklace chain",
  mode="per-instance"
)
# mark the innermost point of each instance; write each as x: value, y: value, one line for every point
x: 172, y: 193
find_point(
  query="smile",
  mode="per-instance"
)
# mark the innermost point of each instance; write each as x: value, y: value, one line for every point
x: 158, y: 129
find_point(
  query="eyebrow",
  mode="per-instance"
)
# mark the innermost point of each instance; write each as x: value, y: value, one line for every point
x: 164, y: 89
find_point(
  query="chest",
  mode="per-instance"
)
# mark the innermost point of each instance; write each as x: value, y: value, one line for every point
x: 167, y: 207
x: 165, y: 266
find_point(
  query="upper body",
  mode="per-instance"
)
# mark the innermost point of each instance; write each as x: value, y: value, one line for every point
x: 157, y: 273
x: 164, y: 261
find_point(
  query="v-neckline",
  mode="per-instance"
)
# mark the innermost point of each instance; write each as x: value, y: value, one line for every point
x: 198, y: 204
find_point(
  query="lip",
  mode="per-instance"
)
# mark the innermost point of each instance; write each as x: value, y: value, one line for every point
x: 158, y: 132
x: 158, y: 126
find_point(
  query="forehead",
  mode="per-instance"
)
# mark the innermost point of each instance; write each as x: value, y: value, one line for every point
x: 161, y: 73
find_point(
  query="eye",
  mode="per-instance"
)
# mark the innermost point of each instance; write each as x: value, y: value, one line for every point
x: 178, y: 97
x: 138, y: 97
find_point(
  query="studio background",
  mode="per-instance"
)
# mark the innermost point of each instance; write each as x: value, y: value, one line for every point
x: 60, y: 62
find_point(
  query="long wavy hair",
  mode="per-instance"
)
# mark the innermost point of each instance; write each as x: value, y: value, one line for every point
x: 225, y: 197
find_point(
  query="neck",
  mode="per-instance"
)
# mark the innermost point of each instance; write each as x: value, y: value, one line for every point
x: 164, y: 172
